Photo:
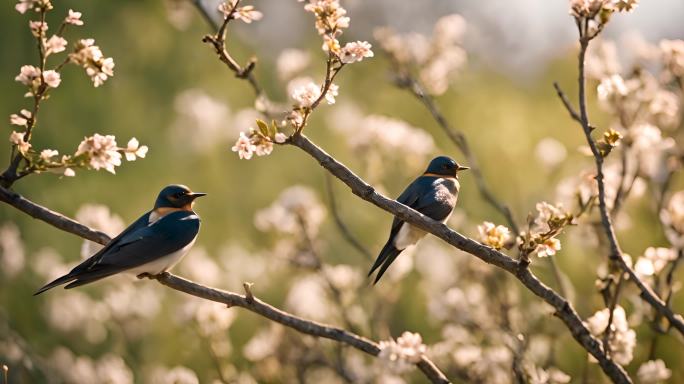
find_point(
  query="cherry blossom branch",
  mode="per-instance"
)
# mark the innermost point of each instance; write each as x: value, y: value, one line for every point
x: 218, y: 42
x: 344, y: 230
x: 247, y: 301
x: 564, y: 309
x: 615, y: 255
x: 646, y: 292
x: 459, y: 139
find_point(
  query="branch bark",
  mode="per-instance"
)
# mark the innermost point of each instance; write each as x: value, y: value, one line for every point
x: 564, y: 309
x: 231, y: 299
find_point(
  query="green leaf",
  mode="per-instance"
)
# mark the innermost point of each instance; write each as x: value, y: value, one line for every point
x: 274, y: 127
x: 263, y: 127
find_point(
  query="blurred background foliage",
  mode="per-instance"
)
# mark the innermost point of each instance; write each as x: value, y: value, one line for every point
x: 159, y: 55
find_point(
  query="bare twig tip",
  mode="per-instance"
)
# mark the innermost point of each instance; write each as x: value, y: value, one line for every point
x: 248, y: 291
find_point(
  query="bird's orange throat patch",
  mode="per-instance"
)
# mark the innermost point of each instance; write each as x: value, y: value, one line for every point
x: 442, y: 176
x: 160, y: 212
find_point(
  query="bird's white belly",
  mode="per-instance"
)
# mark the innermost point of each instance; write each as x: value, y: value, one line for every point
x: 163, y: 263
x: 408, y: 235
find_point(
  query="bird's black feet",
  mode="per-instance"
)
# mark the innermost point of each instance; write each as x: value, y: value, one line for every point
x: 144, y: 275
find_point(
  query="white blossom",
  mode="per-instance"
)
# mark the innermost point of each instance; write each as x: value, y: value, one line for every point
x: 38, y: 28
x: 29, y: 75
x: 244, y: 147
x: 52, y: 78
x: 175, y: 375
x: 17, y: 138
x: 21, y: 118
x: 73, y: 18
x: 612, y: 86
x: 280, y: 137
x: 248, y: 14
x: 401, y: 355
x: 55, y: 44
x: 493, y: 235
x: 24, y: 5
x: 355, y: 51
x: 548, y: 247
x: 90, y: 57
x: 101, y: 152
x: 622, y: 339
x: 47, y: 154
x: 134, y: 150
x: 653, y: 372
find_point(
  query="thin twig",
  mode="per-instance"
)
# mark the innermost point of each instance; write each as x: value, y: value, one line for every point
x: 344, y: 230
x: 611, y: 315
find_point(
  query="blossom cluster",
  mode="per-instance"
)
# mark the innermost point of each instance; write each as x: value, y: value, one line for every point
x: 401, y: 355
x: 435, y: 59
x: 96, y: 152
x: 622, y: 339
x: 594, y: 14
x: 543, y: 229
x: 496, y: 236
x: 90, y: 57
x: 230, y: 10
x: 258, y: 141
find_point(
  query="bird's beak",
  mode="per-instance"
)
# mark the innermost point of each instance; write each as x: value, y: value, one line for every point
x: 194, y: 195
x: 462, y: 168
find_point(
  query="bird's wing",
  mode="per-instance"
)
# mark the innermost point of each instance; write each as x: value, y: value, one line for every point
x: 141, y: 223
x: 410, y: 198
x: 146, y: 244
x: 429, y: 206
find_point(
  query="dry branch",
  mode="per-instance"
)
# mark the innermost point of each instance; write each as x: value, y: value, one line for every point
x: 231, y: 299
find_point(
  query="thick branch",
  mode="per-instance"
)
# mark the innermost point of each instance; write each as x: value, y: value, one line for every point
x: 564, y: 309
x: 51, y: 217
x: 297, y: 323
x: 248, y: 302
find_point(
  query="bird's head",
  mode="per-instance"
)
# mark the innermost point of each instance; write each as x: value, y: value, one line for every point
x: 444, y: 166
x: 176, y: 196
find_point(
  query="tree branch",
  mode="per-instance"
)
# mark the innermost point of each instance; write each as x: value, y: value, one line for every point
x: 616, y: 256
x: 247, y: 301
x: 564, y: 309
x: 53, y: 218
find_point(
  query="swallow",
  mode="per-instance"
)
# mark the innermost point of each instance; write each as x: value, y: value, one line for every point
x: 434, y: 194
x: 150, y: 246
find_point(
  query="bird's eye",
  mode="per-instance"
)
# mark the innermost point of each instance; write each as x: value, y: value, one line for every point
x: 178, y: 195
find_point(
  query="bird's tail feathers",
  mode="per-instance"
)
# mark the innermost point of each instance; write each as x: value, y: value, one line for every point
x: 388, y: 254
x: 59, y: 281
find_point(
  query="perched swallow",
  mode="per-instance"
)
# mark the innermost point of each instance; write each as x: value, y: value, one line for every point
x: 433, y: 194
x: 151, y: 245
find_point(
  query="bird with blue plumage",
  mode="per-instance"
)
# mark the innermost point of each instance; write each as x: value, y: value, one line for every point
x: 153, y: 244
x: 434, y: 194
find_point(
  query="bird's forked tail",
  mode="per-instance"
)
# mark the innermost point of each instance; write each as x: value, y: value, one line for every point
x: 385, y: 258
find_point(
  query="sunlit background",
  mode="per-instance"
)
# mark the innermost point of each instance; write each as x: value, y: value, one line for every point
x: 172, y: 94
